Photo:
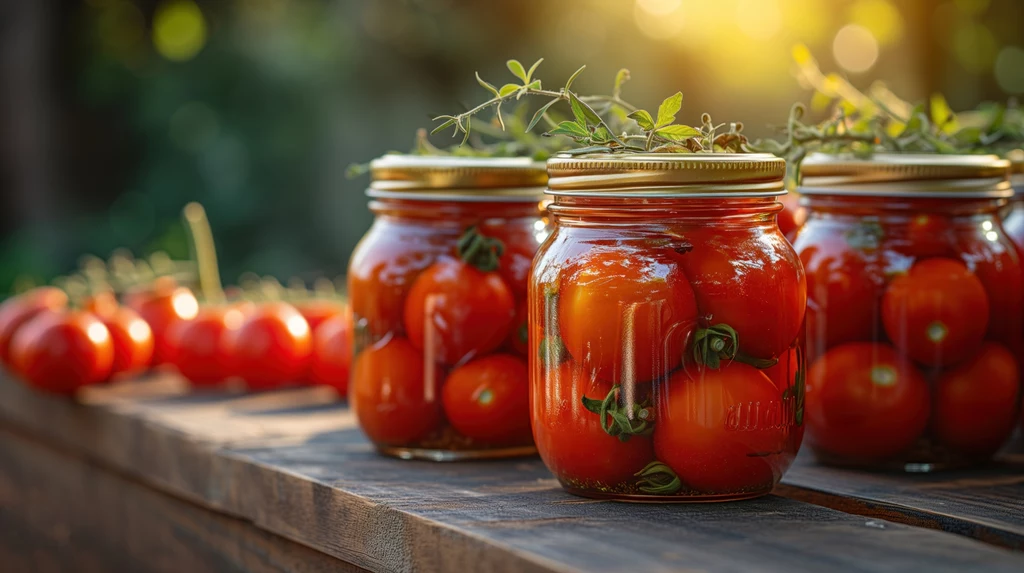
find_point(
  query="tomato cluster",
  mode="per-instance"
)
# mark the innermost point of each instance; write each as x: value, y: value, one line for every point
x: 669, y: 361
x: 440, y: 315
x: 913, y: 333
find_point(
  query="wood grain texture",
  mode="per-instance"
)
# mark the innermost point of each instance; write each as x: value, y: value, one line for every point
x: 984, y: 503
x: 58, y: 513
x: 293, y: 463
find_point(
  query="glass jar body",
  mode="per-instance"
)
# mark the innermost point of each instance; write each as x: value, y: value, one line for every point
x: 667, y: 335
x: 913, y: 330
x: 440, y: 368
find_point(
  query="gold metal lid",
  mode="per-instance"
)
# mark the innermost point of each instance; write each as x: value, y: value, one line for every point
x: 446, y: 177
x: 668, y: 175
x: 906, y: 175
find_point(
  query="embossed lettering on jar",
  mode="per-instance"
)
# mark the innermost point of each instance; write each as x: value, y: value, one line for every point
x: 914, y: 310
x: 666, y: 315
x: 438, y: 294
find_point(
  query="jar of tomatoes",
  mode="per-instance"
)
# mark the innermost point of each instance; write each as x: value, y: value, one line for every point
x: 1013, y: 220
x: 438, y: 293
x: 666, y: 313
x: 914, y: 310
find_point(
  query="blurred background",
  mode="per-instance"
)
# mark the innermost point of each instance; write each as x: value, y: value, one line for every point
x: 115, y: 113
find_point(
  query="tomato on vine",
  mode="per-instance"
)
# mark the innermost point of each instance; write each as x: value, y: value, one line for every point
x: 316, y: 311
x: 271, y: 347
x: 161, y: 307
x: 488, y: 399
x: 332, y: 352
x: 198, y: 347
x: 132, y: 339
x: 16, y: 311
x: 62, y: 351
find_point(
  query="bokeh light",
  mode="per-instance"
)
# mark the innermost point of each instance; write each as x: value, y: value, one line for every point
x: 974, y: 46
x: 880, y: 17
x: 759, y: 19
x: 179, y: 30
x: 1009, y: 70
x: 855, y: 48
x: 659, y: 7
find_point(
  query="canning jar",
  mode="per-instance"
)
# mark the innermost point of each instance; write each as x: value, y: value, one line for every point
x: 438, y: 293
x: 666, y: 313
x: 1013, y: 215
x: 914, y: 310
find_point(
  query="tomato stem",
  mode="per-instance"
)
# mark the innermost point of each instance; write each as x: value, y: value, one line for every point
x: 720, y: 342
x: 479, y: 250
x: 658, y: 478
x: 204, y: 252
x: 620, y: 421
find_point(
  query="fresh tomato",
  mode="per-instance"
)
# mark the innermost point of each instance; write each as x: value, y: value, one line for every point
x: 456, y: 312
x: 162, y: 307
x: 570, y: 438
x: 62, y: 351
x: 488, y: 399
x: 518, y: 339
x: 739, y: 280
x: 394, y: 393
x: 272, y: 346
x: 865, y: 401
x: 103, y: 303
x: 626, y: 313
x: 976, y: 402
x: 722, y: 430
x: 198, y: 347
x: 132, y: 339
x: 937, y: 313
x: 317, y: 310
x: 332, y: 352
x: 16, y: 311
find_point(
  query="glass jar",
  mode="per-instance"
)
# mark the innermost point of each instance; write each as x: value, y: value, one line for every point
x: 1013, y: 216
x: 438, y: 293
x: 666, y: 313
x: 914, y: 310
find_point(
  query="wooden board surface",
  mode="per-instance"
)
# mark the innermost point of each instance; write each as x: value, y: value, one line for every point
x: 293, y: 464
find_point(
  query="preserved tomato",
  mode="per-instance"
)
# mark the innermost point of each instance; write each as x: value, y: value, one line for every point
x: 915, y: 311
x: 666, y: 322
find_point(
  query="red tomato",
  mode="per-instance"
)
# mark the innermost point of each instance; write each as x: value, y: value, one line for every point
x: 198, y: 347
x: 1003, y: 278
x: 161, y: 308
x: 722, y: 431
x: 394, y: 396
x: 101, y: 304
x: 570, y: 438
x: 614, y: 302
x: 976, y: 402
x: 925, y: 235
x: 62, y: 351
x: 455, y: 312
x: 740, y: 282
x: 518, y: 339
x: 332, y: 352
x: 488, y: 399
x: 784, y: 373
x: 937, y: 313
x: 521, y: 245
x: 272, y: 346
x: 865, y: 401
x: 317, y: 310
x: 132, y: 339
x: 16, y: 311
x: 792, y: 215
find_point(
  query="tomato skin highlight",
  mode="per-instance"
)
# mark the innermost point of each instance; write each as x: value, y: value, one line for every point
x: 18, y: 310
x: 937, y: 313
x: 488, y: 399
x: 467, y: 312
x: 570, y: 439
x: 161, y: 309
x: 332, y: 353
x: 272, y: 346
x: 132, y: 339
x: 722, y: 430
x: 199, y: 350
x: 597, y: 290
x: 976, y: 402
x: 865, y: 402
x: 62, y: 351
x: 393, y: 395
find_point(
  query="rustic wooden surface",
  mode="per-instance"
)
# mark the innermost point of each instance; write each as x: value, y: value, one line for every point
x: 293, y: 464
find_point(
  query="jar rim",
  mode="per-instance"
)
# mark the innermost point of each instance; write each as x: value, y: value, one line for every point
x: 906, y: 175
x: 453, y: 177
x: 696, y: 175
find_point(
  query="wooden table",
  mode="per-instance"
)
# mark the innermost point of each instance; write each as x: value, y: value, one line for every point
x: 147, y: 476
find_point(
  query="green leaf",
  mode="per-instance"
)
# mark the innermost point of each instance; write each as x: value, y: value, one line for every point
x: 508, y: 89
x: 583, y: 113
x: 534, y: 85
x: 570, y: 128
x: 540, y: 113
x: 533, y: 68
x: 668, y: 109
x: 572, y: 78
x: 643, y: 119
x: 487, y: 86
x: 942, y: 115
x: 969, y: 136
x: 677, y: 132
x: 465, y: 138
x: 602, y: 135
x: 517, y: 70
x: 450, y: 121
x: 620, y: 78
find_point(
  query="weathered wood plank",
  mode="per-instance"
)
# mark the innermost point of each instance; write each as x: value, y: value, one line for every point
x: 296, y: 465
x: 984, y: 503
x: 59, y: 513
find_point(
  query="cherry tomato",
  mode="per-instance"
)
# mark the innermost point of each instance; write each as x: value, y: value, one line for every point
x: 272, y: 347
x: 394, y: 396
x: 937, y: 313
x: 488, y: 399
x: 16, y: 311
x: 132, y: 339
x: 62, y: 351
x: 332, y: 352
x: 740, y: 282
x: 976, y: 402
x: 614, y: 302
x: 792, y: 215
x: 570, y: 439
x: 722, y: 430
x: 518, y: 339
x: 925, y: 235
x: 1004, y: 283
x: 520, y: 244
x: 165, y: 305
x: 865, y: 401
x: 103, y: 303
x: 317, y: 310
x: 456, y: 312
x: 198, y: 346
